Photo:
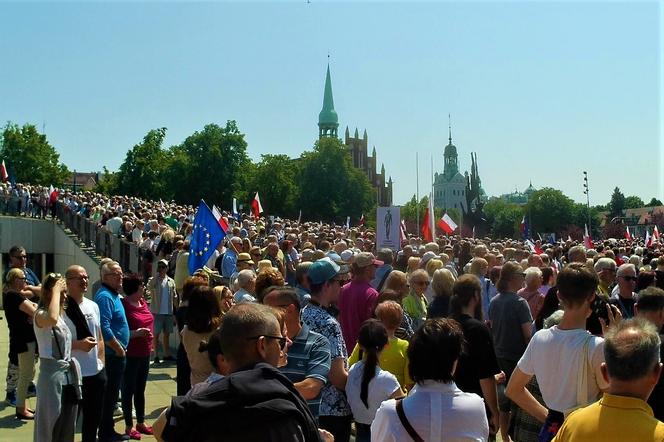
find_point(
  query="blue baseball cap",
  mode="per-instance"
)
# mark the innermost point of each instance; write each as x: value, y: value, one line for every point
x: 322, y: 270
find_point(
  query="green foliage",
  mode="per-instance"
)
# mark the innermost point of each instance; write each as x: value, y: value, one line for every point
x: 503, y: 218
x: 143, y: 172
x: 409, y: 210
x: 617, y: 203
x: 550, y: 210
x: 30, y: 157
x: 633, y: 202
x: 108, y: 182
x: 275, y: 179
x: 209, y: 164
x: 654, y: 202
x: 331, y: 188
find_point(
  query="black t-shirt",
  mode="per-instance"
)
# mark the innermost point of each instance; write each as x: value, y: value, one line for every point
x: 20, y: 327
x: 626, y: 306
x: 478, y: 361
x: 656, y: 399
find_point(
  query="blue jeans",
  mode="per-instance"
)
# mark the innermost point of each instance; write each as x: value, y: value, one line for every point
x: 115, y: 367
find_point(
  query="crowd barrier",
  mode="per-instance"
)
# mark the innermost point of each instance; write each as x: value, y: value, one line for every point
x: 104, y: 242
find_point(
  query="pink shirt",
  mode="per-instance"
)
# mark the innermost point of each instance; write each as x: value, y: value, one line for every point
x: 535, y: 301
x: 138, y: 317
x: 357, y: 301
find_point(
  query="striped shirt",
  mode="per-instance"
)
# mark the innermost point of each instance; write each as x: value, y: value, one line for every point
x: 308, y: 357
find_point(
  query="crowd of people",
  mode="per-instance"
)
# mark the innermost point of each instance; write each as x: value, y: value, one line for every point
x: 306, y: 331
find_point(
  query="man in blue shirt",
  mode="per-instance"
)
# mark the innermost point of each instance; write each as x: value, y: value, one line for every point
x: 229, y: 261
x: 115, y: 330
x: 309, y: 356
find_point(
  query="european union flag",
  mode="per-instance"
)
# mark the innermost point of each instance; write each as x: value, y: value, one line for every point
x: 205, y: 237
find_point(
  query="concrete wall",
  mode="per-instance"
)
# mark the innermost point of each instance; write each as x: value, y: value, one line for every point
x: 46, y: 237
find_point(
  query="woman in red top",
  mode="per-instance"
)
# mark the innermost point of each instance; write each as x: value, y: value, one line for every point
x: 141, y: 323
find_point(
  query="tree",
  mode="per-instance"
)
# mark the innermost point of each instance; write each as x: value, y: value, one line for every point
x: 209, y: 164
x: 108, y: 182
x: 503, y: 217
x: 274, y: 178
x: 633, y: 202
x: 550, y: 210
x: 143, y: 172
x: 331, y: 188
x: 617, y: 203
x: 654, y: 202
x: 29, y: 156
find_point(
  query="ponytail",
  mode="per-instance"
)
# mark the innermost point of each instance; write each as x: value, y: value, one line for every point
x: 372, y: 339
x: 368, y: 374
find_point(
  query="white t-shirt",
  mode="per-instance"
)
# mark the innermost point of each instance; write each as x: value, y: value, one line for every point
x: 553, y: 356
x: 381, y: 387
x: 165, y: 298
x: 437, y: 412
x: 90, y: 362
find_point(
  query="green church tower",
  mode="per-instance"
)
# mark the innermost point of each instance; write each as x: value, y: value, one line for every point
x: 328, y: 121
x: 450, y: 157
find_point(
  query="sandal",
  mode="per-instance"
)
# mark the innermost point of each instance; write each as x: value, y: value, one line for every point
x: 145, y: 429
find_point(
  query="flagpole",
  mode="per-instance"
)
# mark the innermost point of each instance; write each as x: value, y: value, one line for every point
x: 433, y: 222
x: 417, y: 190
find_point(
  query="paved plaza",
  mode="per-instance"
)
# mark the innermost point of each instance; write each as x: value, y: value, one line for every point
x: 160, y: 388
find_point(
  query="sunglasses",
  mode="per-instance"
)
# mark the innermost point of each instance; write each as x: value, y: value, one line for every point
x: 20, y: 256
x: 630, y: 278
x: 421, y: 282
x: 282, y: 340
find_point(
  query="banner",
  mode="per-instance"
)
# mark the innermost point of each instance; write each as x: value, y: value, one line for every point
x: 388, y: 222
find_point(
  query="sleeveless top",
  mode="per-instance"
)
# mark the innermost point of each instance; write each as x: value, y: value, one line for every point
x: 45, y: 340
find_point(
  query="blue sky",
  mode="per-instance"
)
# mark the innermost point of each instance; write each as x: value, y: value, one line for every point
x: 540, y: 90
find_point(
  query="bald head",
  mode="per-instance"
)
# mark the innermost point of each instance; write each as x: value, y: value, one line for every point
x: 77, y: 282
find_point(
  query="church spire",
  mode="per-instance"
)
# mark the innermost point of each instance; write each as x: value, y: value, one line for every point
x: 449, y: 123
x: 328, y: 121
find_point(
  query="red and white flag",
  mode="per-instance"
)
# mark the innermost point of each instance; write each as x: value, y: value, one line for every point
x: 220, y: 219
x: 361, y: 220
x: 403, y: 234
x: 628, y: 236
x: 649, y: 238
x: 655, y: 233
x: 52, y: 194
x: 256, y: 207
x: 447, y: 224
x: 587, y: 240
x: 3, y: 172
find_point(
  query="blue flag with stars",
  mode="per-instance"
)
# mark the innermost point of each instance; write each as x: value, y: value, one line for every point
x: 205, y: 237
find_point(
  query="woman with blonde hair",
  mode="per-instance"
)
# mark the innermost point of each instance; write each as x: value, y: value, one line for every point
x: 19, y: 312
x: 59, y: 382
x: 442, y: 285
x: 433, y: 265
x: 415, y: 304
x: 413, y: 264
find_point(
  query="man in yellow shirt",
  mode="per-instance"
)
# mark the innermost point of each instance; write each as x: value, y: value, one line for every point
x: 632, y: 368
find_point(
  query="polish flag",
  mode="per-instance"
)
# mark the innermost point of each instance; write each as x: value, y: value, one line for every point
x: 655, y: 233
x: 52, y: 194
x: 256, y: 207
x: 648, y: 239
x: 447, y: 224
x: 403, y: 234
x: 3, y: 172
x: 362, y: 220
x: 220, y: 219
x: 427, y: 234
x: 587, y: 240
x: 628, y: 236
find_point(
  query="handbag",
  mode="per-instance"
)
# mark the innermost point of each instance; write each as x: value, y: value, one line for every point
x: 70, y: 394
x: 582, y: 379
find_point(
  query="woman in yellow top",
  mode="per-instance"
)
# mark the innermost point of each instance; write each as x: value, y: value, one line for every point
x: 415, y: 304
x: 394, y: 357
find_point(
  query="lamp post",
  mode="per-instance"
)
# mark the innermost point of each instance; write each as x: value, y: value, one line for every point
x: 587, y: 192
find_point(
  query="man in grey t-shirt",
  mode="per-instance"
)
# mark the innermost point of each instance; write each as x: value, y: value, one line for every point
x: 511, y: 326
